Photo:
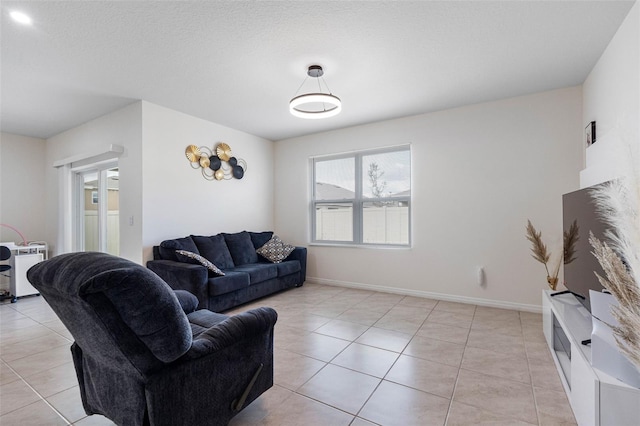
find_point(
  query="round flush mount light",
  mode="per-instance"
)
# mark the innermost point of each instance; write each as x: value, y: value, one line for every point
x: 20, y: 17
x: 315, y: 105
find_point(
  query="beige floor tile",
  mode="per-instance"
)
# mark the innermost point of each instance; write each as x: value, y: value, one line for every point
x: 285, y: 335
x: 500, y: 396
x: 305, y: 321
x: 385, y: 339
x: 467, y: 415
x: 428, y: 376
x: 366, y: 359
x: 261, y: 407
x: 514, y: 367
x: 34, y: 364
x: 420, y: 302
x: 11, y: 336
x: 538, y: 350
x: 448, y: 333
x: 15, y: 395
x: 292, y: 370
x: 6, y: 375
x: 544, y: 374
x: 36, y: 414
x: 454, y: 319
x: 361, y: 422
x: 318, y: 346
x: 57, y: 379
x: 486, y: 312
x: 553, y: 407
x: 459, y: 308
x: 487, y: 339
x: 361, y: 316
x: 435, y: 350
x: 69, y: 404
x: 300, y: 410
x: 342, y: 329
x: 94, y: 420
x: 407, y: 326
x: 354, y: 390
x: 510, y: 327
x: 530, y: 317
x: 392, y: 404
x: 32, y: 346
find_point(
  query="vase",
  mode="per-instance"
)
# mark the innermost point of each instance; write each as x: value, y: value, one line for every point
x: 553, y: 282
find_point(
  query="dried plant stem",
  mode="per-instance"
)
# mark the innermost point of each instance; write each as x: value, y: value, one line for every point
x: 623, y: 287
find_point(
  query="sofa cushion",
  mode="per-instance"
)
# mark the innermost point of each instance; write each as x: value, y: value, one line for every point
x: 258, y: 272
x: 288, y: 267
x: 231, y: 281
x: 241, y: 248
x: 260, y: 238
x: 168, y: 247
x: 275, y: 250
x: 190, y: 257
x: 214, y: 249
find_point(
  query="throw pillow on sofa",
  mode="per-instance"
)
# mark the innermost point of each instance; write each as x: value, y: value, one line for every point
x: 215, y: 250
x: 275, y: 250
x: 190, y: 257
x: 241, y: 248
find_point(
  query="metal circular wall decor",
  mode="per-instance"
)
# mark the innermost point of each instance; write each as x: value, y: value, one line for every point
x: 217, y: 163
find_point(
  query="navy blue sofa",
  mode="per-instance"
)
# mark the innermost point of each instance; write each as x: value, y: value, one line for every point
x: 247, y: 275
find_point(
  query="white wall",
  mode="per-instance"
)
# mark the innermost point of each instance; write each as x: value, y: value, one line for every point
x: 611, y: 98
x: 478, y: 173
x: 22, y: 179
x: 178, y: 201
x: 122, y: 127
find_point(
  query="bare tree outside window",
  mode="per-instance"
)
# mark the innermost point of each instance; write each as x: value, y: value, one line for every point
x: 377, y: 187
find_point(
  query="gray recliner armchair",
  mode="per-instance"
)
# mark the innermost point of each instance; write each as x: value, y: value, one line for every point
x: 143, y: 354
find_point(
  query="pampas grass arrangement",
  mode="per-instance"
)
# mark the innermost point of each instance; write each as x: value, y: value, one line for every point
x: 618, y: 202
x: 541, y: 254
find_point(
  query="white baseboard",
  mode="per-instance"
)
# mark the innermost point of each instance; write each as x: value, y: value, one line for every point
x: 430, y: 295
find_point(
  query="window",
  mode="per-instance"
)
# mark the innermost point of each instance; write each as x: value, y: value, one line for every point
x: 362, y: 198
x: 97, y: 209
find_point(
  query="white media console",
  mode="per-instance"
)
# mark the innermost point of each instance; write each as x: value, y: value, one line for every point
x: 597, y: 399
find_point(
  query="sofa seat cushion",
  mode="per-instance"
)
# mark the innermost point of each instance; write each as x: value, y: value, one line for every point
x: 258, y: 272
x: 241, y: 248
x: 231, y: 281
x: 214, y: 249
x: 287, y: 267
x: 168, y: 248
x: 203, y: 319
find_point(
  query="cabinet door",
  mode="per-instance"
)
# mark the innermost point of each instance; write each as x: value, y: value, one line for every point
x: 584, y: 390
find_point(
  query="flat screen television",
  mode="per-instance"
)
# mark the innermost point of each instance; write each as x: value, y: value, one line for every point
x: 579, y: 270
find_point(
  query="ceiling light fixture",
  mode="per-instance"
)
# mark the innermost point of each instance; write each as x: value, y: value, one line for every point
x: 20, y: 17
x: 318, y: 104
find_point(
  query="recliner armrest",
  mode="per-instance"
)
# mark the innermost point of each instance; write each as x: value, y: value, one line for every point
x: 188, y: 302
x: 238, y: 327
x: 183, y: 276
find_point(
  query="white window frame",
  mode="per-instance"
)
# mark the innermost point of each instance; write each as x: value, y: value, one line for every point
x: 359, y: 200
x: 101, y: 169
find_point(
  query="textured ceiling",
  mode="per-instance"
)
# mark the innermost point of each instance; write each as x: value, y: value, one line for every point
x: 239, y: 63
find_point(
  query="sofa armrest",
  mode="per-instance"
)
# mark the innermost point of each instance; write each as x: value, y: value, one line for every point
x: 183, y: 276
x: 255, y: 322
x: 300, y: 254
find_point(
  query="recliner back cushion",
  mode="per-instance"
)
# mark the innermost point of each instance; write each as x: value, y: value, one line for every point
x: 214, y: 249
x: 99, y: 295
x: 168, y: 247
x: 241, y: 248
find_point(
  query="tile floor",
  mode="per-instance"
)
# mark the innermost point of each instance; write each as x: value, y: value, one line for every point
x: 342, y: 357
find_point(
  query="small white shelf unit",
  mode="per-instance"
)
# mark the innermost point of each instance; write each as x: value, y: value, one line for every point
x: 597, y: 399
